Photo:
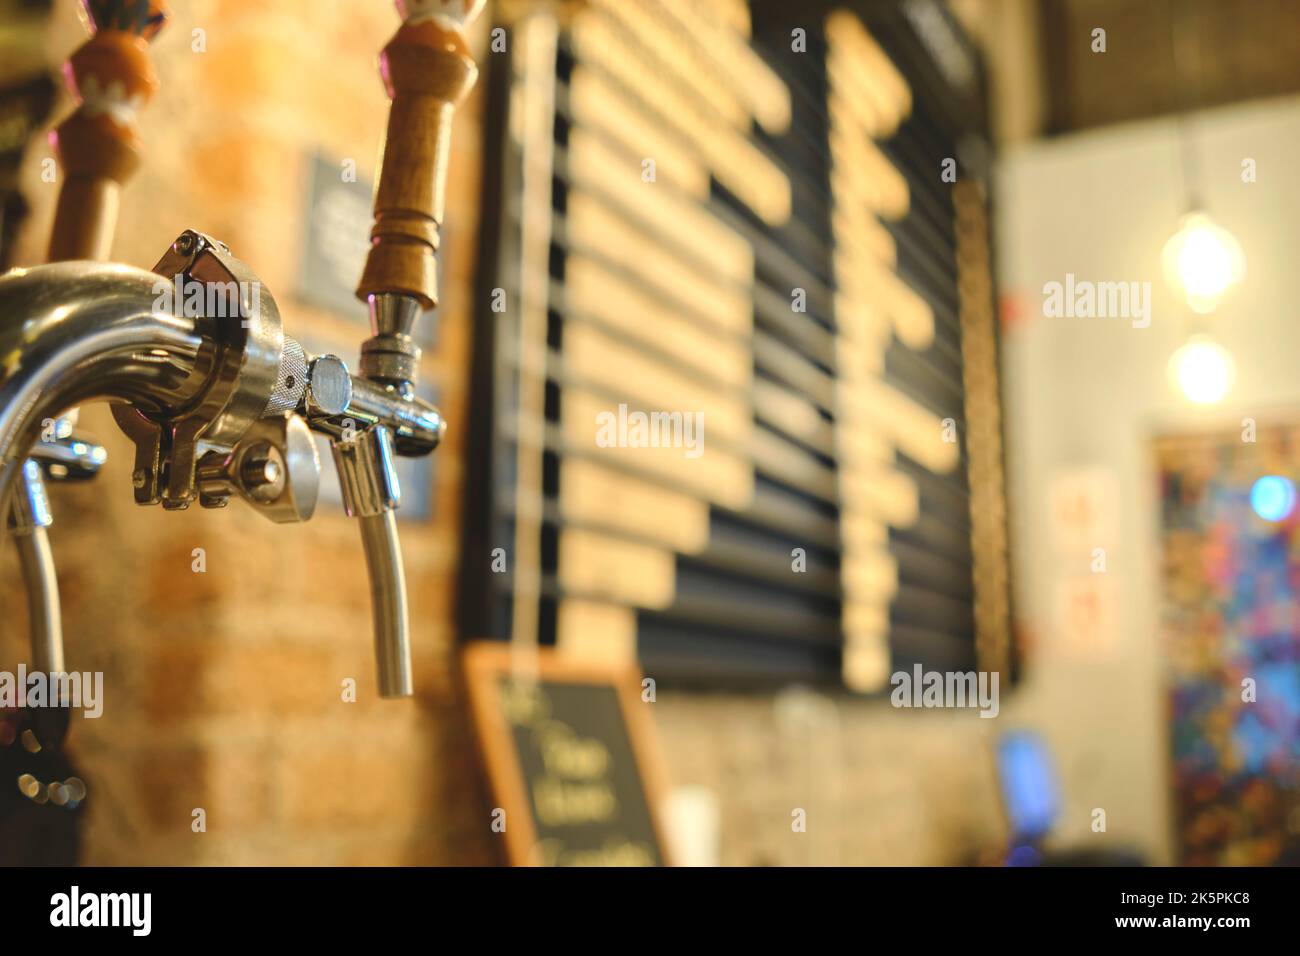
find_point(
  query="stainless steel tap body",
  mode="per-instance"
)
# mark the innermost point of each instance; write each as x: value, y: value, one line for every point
x: 217, y: 404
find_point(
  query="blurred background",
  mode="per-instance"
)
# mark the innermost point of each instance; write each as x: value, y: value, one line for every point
x: 982, y: 303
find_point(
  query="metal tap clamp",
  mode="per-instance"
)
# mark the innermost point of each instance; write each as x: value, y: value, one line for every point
x: 246, y: 370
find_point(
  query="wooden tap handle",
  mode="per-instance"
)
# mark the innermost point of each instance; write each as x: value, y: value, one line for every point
x: 99, y: 145
x: 427, y: 69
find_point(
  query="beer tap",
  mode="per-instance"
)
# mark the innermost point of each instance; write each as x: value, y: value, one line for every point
x: 219, y: 402
x: 427, y: 70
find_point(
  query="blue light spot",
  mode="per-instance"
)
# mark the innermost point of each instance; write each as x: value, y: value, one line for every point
x: 1024, y: 856
x: 1273, y: 497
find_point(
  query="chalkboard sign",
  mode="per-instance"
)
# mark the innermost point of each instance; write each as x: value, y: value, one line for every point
x: 570, y: 759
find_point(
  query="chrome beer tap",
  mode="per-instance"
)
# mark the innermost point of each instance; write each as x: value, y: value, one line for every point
x: 218, y: 400
x: 427, y: 70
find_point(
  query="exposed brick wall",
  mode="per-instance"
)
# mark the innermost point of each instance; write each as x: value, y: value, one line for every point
x: 879, y: 787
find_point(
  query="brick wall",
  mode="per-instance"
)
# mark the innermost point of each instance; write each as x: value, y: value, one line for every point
x: 223, y: 688
x: 878, y: 786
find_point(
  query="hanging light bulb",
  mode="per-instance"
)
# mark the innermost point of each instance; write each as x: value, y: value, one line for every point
x: 1202, y: 260
x: 1202, y: 370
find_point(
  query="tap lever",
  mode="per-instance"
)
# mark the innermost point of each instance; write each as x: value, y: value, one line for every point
x: 428, y: 70
x: 367, y: 475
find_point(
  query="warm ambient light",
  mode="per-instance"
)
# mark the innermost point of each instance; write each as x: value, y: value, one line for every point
x: 1202, y: 260
x: 1202, y: 370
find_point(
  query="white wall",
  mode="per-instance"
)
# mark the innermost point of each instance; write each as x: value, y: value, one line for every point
x: 1092, y: 392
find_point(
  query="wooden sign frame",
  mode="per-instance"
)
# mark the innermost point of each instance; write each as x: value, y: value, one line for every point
x: 484, y: 663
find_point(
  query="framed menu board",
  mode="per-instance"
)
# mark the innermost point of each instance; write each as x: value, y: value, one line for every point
x: 570, y: 758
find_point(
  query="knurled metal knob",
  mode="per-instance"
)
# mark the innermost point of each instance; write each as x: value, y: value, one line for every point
x: 290, y: 382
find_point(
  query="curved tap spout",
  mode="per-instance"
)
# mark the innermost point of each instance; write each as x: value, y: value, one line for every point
x: 70, y: 333
x: 77, y: 331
